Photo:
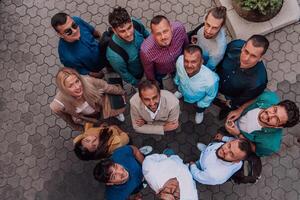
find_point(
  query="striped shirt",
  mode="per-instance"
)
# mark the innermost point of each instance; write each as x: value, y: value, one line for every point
x: 162, y: 60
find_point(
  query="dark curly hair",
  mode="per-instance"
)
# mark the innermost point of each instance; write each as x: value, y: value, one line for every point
x: 118, y: 17
x: 292, y: 111
x: 102, y: 170
x: 102, y: 150
x: 58, y: 20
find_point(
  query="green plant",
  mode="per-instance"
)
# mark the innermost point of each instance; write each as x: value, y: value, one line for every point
x: 263, y: 6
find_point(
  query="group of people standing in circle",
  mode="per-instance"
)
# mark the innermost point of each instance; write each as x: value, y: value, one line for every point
x: 163, y: 66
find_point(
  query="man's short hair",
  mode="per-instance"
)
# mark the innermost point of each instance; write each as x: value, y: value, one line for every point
x: 148, y: 84
x: 102, y: 171
x: 118, y: 17
x: 192, y: 48
x: 218, y: 13
x: 260, y: 41
x: 245, y: 146
x: 292, y: 111
x: 157, y: 19
x: 58, y: 20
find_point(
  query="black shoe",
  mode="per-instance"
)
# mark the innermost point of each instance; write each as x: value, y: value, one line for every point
x: 223, y: 113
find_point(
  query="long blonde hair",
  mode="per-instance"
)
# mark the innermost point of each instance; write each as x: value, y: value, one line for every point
x: 90, y: 92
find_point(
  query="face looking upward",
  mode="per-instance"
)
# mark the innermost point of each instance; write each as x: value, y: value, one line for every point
x: 192, y: 63
x: 119, y: 175
x: 274, y: 116
x: 230, y: 152
x: 69, y: 31
x: 90, y: 142
x: 250, y: 55
x: 162, y: 33
x: 150, y: 97
x: 125, y: 32
x: 73, y: 86
x: 212, y: 26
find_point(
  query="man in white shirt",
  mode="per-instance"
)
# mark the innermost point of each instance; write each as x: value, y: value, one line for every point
x: 219, y: 161
x: 169, y: 177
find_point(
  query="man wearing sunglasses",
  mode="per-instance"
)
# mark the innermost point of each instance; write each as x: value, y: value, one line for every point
x: 78, y: 46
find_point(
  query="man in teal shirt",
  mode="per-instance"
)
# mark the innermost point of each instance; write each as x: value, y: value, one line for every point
x: 128, y: 35
x: 261, y: 121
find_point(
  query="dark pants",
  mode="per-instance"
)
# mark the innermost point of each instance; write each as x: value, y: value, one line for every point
x: 199, y: 110
x: 159, y: 78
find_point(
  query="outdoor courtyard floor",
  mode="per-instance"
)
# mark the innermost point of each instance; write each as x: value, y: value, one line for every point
x: 36, y: 149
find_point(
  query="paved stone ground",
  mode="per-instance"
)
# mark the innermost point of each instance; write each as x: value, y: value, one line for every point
x: 37, y: 161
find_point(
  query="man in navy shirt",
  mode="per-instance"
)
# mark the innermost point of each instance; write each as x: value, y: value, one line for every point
x: 122, y: 173
x: 78, y: 46
x: 242, y: 73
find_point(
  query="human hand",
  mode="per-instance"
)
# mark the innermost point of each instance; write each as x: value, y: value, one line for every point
x: 218, y: 136
x: 232, y: 128
x: 194, y: 39
x: 234, y: 115
x: 170, y: 126
x: 140, y: 122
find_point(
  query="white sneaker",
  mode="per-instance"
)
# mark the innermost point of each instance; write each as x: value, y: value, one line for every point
x: 145, y: 150
x: 178, y: 94
x: 121, y: 117
x: 199, y: 118
x: 201, y: 146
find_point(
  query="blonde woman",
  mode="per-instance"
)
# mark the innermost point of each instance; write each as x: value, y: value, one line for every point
x: 83, y: 99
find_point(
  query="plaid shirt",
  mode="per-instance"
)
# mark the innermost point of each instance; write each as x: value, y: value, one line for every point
x: 162, y: 60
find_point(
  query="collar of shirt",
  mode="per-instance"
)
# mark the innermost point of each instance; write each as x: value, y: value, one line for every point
x: 153, y: 114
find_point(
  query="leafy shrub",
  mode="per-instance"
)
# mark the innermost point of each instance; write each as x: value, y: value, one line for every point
x: 262, y: 6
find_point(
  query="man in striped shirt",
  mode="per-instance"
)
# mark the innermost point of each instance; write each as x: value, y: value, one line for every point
x: 161, y: 49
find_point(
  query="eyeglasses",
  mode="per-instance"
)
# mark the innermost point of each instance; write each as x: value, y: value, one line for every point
x: 69, y: 31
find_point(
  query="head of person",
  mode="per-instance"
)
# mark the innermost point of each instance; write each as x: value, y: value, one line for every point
x: 234, y: 150
x: 93, y: 144
x: 214, y: 21
x: 110, y: 173
x: 192, y: 59
x: 149, y: 93
x: 253, y: 50
x: 74, y: 87
x: 161, y: 30
x: 65, y: 27
x: 284, y: 114
x: 121, y: 24
x: 170, y: 190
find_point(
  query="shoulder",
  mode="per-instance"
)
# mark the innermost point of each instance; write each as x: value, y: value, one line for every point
x: 57, y: 104
x: 122, y: 151
x: 135, y: 99
x: 268, y: 97
x: 236, y: 44
x: 178, y: 26
x: 77, y: 19
x: 148, y: 44
x: 210, y: 75
x: 170, y: 98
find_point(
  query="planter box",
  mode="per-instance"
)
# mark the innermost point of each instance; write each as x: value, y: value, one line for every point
x: 240, y: 28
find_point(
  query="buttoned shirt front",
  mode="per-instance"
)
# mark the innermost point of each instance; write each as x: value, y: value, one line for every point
x: 201, y: 88
x: 158, y: 169
x: 214, y: 171
x: 161, y: 60
x: 237, y: 84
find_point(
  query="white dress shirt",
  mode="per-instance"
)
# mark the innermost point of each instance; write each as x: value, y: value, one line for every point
x: 158, y: 169
x: 213, y: 170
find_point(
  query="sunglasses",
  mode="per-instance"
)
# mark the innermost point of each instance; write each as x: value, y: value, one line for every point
x: 69, y: 31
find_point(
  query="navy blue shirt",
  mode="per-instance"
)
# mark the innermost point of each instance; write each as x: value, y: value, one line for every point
x: 82, y: 55
x: 124, y: 156
x: 240, y: 85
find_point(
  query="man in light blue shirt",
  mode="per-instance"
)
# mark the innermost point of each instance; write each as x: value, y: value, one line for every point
x: 196, y: 83
x: 219, y: 161
x: 211, y: 37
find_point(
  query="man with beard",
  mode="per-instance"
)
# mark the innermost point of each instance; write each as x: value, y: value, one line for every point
x: 261, y: 121
x: 243, y: 76
x: 154, y: 111
x: 211, y: 37
x: 219, y: 161
x: 161, y: 49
